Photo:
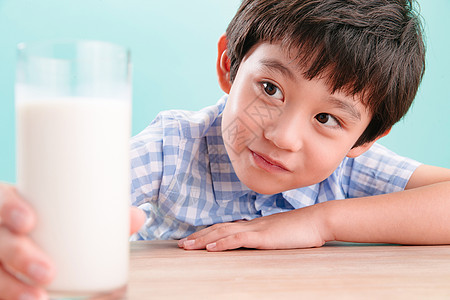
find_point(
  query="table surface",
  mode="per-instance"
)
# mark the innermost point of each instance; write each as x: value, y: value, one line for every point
x: 161, y: 270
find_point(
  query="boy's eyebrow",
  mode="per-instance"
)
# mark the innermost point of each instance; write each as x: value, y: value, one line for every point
x: 345, y: 106
x: 277, y: 65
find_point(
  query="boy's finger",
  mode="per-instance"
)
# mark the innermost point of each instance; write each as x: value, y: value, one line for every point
x: 238, y: 240
x: 12, y: 288
x: 214, y: 234
x: 15, y: 213
x: 19, y: 253
x: 205, y: 231
x: 198, y: 234
x: 137, y: 219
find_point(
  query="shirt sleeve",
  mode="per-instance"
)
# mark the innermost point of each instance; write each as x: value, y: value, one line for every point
x: 377, y: 171
x: 153, y: 155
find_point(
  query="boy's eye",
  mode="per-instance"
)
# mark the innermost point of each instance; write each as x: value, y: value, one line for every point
x: 272, y: 90
x: 328, y: 120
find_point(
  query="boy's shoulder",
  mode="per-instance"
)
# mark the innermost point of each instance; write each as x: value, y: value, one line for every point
x: 195, y: 124
x: 377, y: 171
x: 379, y: 155
x: 183, y: 124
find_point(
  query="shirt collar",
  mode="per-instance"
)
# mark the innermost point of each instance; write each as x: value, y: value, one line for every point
x: 302, y: 197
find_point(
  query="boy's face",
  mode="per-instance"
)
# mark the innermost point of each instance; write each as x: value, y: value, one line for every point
x: 274, y: 114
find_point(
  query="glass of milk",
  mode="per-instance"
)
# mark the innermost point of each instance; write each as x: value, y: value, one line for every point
x: 73, y: 122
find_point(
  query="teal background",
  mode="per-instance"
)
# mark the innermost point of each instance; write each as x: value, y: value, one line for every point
x: 173, y: 46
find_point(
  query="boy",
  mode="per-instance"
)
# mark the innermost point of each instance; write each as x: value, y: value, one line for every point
x: 311, y: 86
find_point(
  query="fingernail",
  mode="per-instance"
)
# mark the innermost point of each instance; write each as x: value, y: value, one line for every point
x: 17, y: 218
x: 27, y: 296
x: 211, y: 246
x: 181, y: 242
x: 188, y: 243
x: 38, y: 272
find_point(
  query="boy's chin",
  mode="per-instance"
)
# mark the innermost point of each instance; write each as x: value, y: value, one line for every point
x: 261, y: 188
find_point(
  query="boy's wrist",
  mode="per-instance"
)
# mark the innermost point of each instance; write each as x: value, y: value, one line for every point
x: 325, y: 215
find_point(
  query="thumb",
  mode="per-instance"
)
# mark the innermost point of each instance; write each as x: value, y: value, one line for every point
x: 137, y: 219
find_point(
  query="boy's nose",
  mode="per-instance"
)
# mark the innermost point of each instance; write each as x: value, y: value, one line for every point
x: 287, y: 132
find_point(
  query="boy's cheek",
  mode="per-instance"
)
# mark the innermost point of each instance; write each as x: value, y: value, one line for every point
x: 261, y: 113
x: 238, y: 135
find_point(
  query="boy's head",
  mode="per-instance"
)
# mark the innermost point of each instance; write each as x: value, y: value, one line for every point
x: 367, y: 48
x: 311, y: 82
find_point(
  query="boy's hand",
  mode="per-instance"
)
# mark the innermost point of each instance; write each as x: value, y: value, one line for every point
x: 24, y: 268
x: 301, y: 228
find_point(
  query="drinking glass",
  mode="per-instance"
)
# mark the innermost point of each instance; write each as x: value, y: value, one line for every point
x: 73, y: 124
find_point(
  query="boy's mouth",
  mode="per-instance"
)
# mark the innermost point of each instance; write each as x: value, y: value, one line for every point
x: 268, y: 163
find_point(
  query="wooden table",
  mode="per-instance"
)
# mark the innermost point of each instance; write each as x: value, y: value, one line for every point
x: 160, y: 270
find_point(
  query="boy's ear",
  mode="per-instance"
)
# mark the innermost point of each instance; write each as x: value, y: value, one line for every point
x: 357, y: 151
x: 223, y: 65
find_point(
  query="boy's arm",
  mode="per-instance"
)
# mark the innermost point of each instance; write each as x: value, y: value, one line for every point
x: 418, y: 215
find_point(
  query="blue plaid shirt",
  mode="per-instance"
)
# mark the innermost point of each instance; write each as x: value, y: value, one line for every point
x: 183, y: 179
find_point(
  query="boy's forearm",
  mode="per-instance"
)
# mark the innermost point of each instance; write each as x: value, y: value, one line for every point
x: 416, y: 216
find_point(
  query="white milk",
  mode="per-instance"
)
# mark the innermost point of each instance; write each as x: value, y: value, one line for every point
x: 73, y: 167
